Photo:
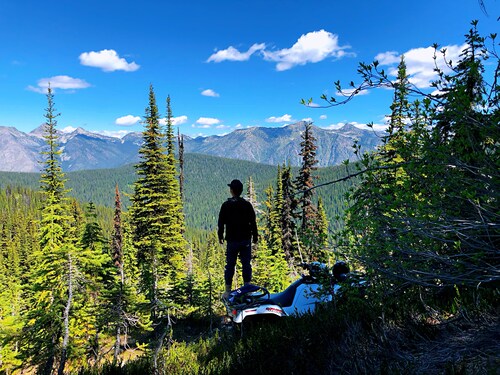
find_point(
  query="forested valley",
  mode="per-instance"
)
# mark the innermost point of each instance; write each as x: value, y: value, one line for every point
x: 120, y: 271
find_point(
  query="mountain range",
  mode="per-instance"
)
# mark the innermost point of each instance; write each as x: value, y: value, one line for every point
x: 81, y: 149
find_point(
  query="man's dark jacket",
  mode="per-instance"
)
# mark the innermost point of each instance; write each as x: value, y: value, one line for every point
x: 238, y: 216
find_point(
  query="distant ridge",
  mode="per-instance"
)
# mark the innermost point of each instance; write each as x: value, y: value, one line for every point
x: 81, y: 149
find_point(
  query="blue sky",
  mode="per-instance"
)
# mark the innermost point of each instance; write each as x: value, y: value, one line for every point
x: 225, y: 64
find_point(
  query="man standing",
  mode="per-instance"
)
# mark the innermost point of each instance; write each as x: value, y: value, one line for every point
x: 238, y: 216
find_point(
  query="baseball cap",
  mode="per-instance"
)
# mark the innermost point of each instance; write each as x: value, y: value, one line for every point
x: 236, y: 185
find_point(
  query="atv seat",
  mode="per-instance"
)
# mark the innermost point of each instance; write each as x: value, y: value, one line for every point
x: 285, y: 298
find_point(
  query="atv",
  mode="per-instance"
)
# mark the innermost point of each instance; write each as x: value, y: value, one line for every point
x: 317, y: 286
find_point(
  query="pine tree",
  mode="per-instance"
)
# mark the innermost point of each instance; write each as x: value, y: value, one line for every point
x: 117, y: 236
x: 77, y: 218
x: 159, y: 222
x: 275, y: 239
x: 267, y: 216
x: 136, y: 316
x: 288, y: 215
x: 400, y: 107
x: 176, y: 228
x: 123, y: 314
x: 180, y: 142
x: 56, y: 324
x: 304, y: 183
x: 377, y: 208
x: 251, y: 196
x: 149, y: 210
x: 117, y: 254
x: 305, y: 179
x: 53, y: 272
x: 96, y: 269
x: 271, y: 267
x: 269, y: 270
x: 209, y: 277
x: 322, y: 230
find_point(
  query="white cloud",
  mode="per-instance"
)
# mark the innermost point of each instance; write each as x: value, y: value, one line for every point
x: 107, y: 60
x: 59, y: 82
x: 179, y: 120
x: 377, y: 127
x: 312, y: 47
x: 312, y: 105
x: 222, y: 126
x: 37, y: 89
x: 388, y: 58
x: 307, y: 119
x: 127, y: 120
x: 239, y: 126
x: 206, y: 122
x: 420, y: 63
x: 210, y: 92
x: 232, y: 54
x: 284, y: 118
x: 323, y: 117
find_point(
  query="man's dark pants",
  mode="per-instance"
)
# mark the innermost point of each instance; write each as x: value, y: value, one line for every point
x: 244, y: 250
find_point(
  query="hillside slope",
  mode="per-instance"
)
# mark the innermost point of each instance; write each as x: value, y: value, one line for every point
x: 206, y: 179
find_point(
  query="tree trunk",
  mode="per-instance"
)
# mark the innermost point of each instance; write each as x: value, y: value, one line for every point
x: 159, y: 345
x: 49, y: 364
x: 117, y: 344
x: 66, y: 318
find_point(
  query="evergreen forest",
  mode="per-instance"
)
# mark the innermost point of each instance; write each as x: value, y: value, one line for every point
x: 120, y: 271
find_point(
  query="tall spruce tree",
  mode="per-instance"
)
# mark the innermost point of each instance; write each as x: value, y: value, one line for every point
x: 275, y: 239
x: 377, y: 197
x: 117, y: 236
x: 149, y: 209
x: 118, y: 296
x: 123, y: 311
x: 159, y: 222
x: 176, y: 246
x: 304, y: 183
x: 288, y: 215
x: 52, y: 277
x: 271, y: 268
x: 322, y: 224
x: 96, y: 269
x: 180, y: 142
x: 305, y: 179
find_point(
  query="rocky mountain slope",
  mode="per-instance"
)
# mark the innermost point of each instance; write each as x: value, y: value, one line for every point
x: 81, y: 149
x: 282, y: 145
